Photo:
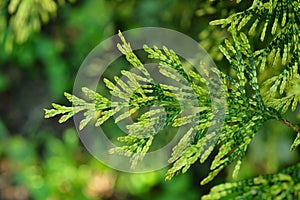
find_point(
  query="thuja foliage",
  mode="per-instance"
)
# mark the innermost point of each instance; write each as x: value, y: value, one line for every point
x: 20, y: 18
x: 251, y: 99
x: 283, y: 185
x: 281, y: 51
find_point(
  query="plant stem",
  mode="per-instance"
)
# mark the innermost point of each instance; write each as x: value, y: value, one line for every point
x: 289, y: 124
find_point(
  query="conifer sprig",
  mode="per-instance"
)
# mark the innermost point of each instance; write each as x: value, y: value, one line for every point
x: 135, y: 92
x: 282, y: 185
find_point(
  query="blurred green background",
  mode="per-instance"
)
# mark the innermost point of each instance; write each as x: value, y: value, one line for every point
x: 39, y: 58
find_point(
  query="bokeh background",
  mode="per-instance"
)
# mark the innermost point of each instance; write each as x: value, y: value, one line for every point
x: 43, y: 44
